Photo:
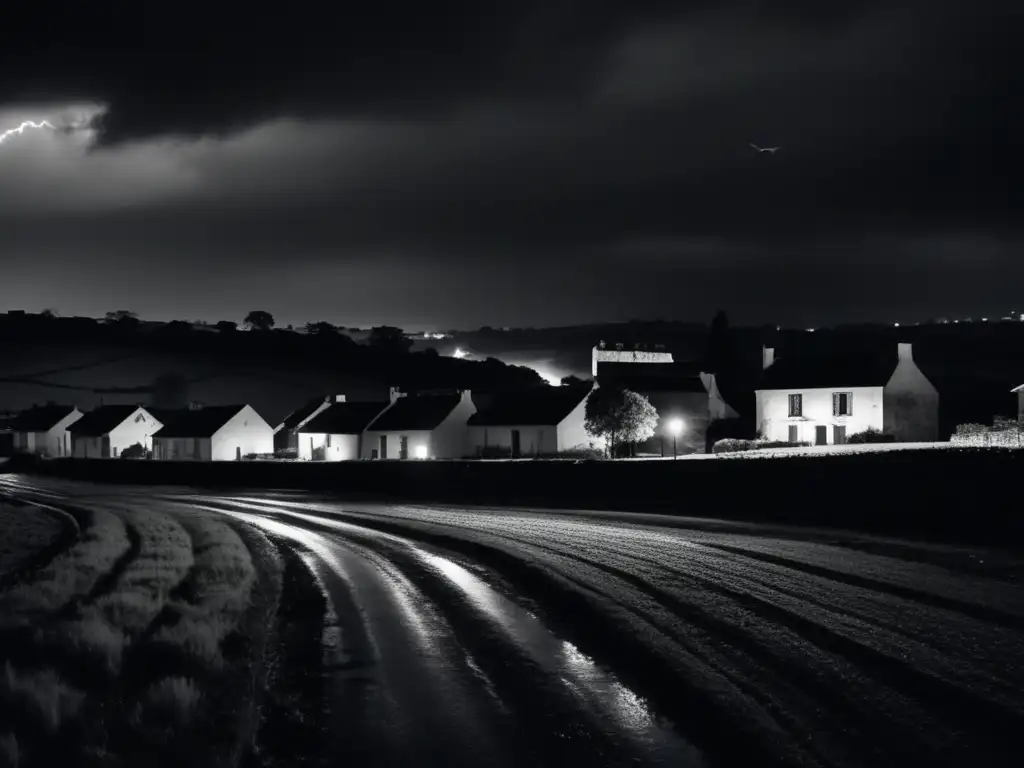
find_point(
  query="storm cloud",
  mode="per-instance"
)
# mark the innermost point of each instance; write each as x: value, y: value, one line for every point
x: 513, y: 163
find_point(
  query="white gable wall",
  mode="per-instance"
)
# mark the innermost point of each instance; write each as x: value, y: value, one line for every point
x: 245, y: 433
x: 449, y: 440
x: 911, y: 402
x: 137, y: 428
x: 54, y: 442
x: 323, y: 447
x: 773, y: 417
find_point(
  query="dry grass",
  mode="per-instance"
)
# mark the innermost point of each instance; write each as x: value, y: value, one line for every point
x: 42, y: 701
x: 71, y: 574
x: 215, y: 595
x: 164, y: 558
x: 24, y: 531
x: 102, y: 623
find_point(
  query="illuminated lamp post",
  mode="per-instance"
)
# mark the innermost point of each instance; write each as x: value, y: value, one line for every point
x: 675, y: 428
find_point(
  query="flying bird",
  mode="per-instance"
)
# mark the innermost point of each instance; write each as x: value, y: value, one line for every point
x: 769, y: 150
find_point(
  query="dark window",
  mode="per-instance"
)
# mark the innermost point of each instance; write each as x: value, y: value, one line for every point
x: 842, y: 404
x: 796, y: 405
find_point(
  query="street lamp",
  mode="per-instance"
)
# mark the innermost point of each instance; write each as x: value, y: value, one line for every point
x: 675, y: 428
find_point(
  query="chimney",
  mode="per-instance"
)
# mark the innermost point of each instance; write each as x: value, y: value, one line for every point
x: 336, y: 399
x: 394, y: 394
x: 466, y: 396
x: 195, y: 405
x: 905, y: 351
x: 767, y: 357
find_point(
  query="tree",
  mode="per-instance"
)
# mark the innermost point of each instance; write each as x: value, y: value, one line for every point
x: 621, y: 416
x: 388, y: 337
x: 321, y: 328
x: 226, y: 326
x: 49, y: 314
x: 572, y: 381
x: 431, y: 352
x: 122, y: 318
x: 179, y: 326
x: 258, y: 320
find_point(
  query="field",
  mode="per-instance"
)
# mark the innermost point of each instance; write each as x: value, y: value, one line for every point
x: 138, y: 637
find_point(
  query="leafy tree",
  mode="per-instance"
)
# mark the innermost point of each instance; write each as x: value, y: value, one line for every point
x: 431, y: 352
x: 122, y: 318
x: 49, y: 314
x: 572, y: 381
x: 258, y: 320
x: 179, y: 326
x: 321, y: 328
x: 226, y: 326
x: 621, y: 416
x: 390, y: 338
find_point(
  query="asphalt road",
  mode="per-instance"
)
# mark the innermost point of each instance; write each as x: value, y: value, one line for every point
x: 501, y: 637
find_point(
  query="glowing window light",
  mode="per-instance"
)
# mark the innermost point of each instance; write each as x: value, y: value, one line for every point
x: 421, y: 452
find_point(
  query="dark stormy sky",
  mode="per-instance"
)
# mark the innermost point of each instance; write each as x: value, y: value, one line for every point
x: 453, y: 164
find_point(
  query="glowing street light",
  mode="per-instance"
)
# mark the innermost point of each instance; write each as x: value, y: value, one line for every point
x: 675, y: 428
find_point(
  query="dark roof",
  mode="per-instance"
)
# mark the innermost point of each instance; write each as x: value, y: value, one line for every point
x: 296, y: 417
x: 826, y: 371
x: 100, y: 421
x: 652, y: 377
x: 344, y: 418
x: 543, y: 405
x: 416, y: 412
x: 40, y: 418
x: 199, y: 423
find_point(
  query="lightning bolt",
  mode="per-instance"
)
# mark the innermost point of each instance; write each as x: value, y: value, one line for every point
x: 21, y: 129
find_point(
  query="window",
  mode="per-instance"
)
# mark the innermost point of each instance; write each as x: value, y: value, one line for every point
x: 796, y: 405
x: 328, y: 441
x: 842, y: 404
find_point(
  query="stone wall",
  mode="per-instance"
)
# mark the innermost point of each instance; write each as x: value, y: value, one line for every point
x: 1003, y: 433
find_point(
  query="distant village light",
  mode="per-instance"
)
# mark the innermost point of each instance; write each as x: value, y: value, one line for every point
x: 460, y: 353
x: 895, y: 325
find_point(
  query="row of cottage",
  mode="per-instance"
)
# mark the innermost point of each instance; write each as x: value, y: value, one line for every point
x: 545, y: 421
x: 819, y: 400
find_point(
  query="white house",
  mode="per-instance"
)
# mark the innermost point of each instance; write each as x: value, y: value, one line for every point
x: 823, y: 400
x: 539, y: 422
x: 43, y: 430
x: 105, y: 432
x: 336, y: 432
x: 217, y: 433
x: 286, y: 434
x: 427, y: 426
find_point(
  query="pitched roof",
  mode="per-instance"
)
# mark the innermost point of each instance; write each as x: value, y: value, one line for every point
x: 541, y: 405
x: 41, y: 418
x: 296, y: 417
x: 416, y: 412
x: 652, y: 377
x: 203, y: 422
x: 100, y: 421
x: 826, y: 371
x: 344, y: 418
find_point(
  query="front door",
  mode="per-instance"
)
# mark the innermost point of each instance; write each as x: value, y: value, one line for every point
x: 821, y: 435
x: 793, y: 436
x: 105, y: 450
x: 403, y: 447
x: 839, y: 434
x: 238, y: 451
x: 515, y: 444
x: 383, y: 452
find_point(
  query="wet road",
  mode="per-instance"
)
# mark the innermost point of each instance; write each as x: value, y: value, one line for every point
x: 492, y: 637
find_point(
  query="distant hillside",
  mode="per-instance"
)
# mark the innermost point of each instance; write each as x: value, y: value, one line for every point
x: 86, y: 363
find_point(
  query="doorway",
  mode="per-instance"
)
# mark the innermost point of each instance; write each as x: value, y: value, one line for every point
x: 383, y: 452
x: 794, y: 435
x: 403, y: 447
x: 821, y: 435
x: 839, y: 434
x: 515, y: 444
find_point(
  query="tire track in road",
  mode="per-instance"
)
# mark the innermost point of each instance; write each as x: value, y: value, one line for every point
x: 517, y: 694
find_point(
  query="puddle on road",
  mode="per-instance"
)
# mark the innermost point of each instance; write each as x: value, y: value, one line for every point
x: 597, y: 689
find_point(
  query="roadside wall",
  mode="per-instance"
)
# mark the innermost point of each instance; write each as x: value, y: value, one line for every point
x: 921, y: 493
